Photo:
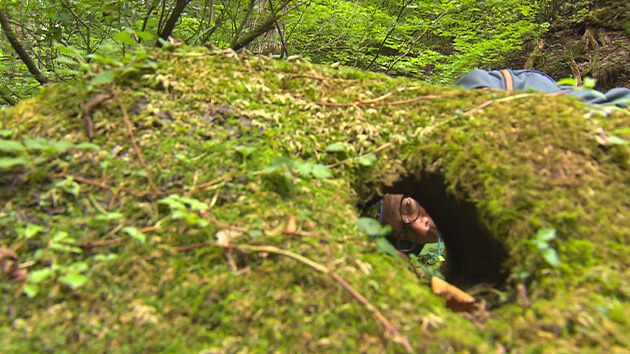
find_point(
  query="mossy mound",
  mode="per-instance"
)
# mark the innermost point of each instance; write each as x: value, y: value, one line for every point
x: 239, y: 148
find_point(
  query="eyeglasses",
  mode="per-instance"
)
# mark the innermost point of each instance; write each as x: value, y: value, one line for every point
x: 409, y: 213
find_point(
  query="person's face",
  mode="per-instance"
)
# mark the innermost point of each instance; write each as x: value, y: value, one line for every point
x: 409, y: 220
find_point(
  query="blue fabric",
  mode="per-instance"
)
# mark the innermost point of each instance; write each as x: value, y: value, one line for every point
x: 537, y: 81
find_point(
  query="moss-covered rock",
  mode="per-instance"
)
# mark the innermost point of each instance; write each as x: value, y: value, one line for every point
x: 239, y: 148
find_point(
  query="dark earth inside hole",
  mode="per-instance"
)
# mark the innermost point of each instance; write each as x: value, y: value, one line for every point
x: 473, y: 254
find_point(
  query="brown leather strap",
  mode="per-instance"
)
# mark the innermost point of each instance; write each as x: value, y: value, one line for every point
x: 509, y: 83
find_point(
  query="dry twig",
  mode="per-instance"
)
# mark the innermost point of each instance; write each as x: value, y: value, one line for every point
x: 398, y: 337
x: 133, y: 140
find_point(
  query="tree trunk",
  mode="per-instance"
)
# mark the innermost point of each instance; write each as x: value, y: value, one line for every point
x: 19, y: 49
x: 169, y: 26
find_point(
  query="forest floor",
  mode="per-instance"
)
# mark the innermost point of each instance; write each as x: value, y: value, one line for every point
x: 214, y: 209
x: 596, y: 46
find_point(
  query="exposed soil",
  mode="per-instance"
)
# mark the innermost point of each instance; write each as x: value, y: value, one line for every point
x: 597, y: 46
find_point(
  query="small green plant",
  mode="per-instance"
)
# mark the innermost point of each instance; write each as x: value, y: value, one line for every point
x: 540, y: 245
x: 184, y: 208
x: 59, y: 242
x: 33, y: 152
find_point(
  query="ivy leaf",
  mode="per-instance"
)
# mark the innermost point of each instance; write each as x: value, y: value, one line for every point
x: 368, y: 160
x: 74, y: 280
x: 321, y: 171
x: 334, y: 147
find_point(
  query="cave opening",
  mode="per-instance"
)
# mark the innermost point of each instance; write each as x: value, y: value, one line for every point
x: 473, y: 255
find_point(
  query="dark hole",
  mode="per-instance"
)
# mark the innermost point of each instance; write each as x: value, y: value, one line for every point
x: 473, y: 256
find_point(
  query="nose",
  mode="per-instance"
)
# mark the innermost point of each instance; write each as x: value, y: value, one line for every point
x: 425, y: 224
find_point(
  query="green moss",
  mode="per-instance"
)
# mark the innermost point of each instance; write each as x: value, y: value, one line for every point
x: 521, y: 165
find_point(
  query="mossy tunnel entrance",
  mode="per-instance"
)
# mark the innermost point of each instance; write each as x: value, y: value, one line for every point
x: 473, y: 255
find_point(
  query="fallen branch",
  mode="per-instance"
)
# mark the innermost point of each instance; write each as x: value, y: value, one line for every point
x: 87, y: 246
x: 133, y: 140
x: 90, y: 106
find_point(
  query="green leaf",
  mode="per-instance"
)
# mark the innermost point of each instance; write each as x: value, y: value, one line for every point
x: 32, y: 230
x: 255, y: 234
x: 384, y: 246
x: 372, y: 227
x: 173, y: 202
x: 567, y: 81
x: 615, y: 140
x: 546, y: 235
x: 87, y: 146
x: 11, y: 146
x: 104, y: 258
x: 40, y: 275
x: 37, y: 144
x: 321, y: 171
x: 61, y: 146
x: 368, y: 160
x: 74, y: 280
x: 551, y: 257
x: 78, y: 267
x: 145, y: 36
x: 334, y: 147
x: 62, y: 236
x: 105, y: 77
x: 589, y: 82
x: 303, y: 168
x: 6, y: 133
x: 245, y: 150
x: 135, y: 234
x: 65, y: 60
x: 6, y: 163
x: 125, y: 37
x: 109, y: 216
x: 72, y: 189
x: 31, y: 290
x: 194, y: 204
